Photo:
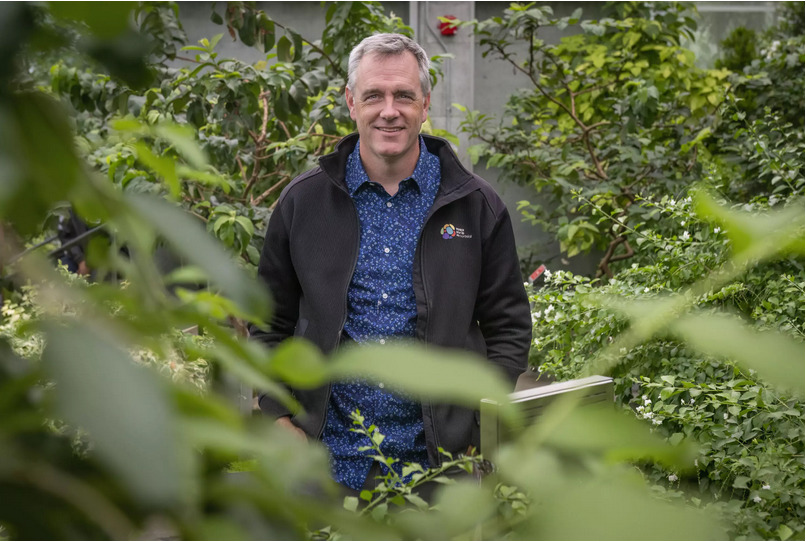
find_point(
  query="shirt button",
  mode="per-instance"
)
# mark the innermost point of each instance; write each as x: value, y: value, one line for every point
x: 385, y: 296
x: 388, y: 203
x: 386, y: 250
x: 382, y: 341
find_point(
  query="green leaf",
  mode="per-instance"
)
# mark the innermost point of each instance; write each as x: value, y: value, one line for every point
x: 122, y: 405
x: 604, y: 431
x: 741, y: 482
x: 266, y: 26
x: 39, y: 162
x: 777, y: 357
x: 299, y: 363
x: 297, y: 40
x: 183, y: 138
x: 189, y: 239
x: 284, y: 49
x: 621, y: 507
x: 105, y: 19
x: 163, y: 166
x: 778, y: 232
x: 350, y: 503
x: 459, y: 509
x: 784, y: 532
x: 454, y: 377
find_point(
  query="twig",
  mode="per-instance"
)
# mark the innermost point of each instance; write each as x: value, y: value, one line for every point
x: 285, y: 129
x: 276, y: 186
x: 259, y: 145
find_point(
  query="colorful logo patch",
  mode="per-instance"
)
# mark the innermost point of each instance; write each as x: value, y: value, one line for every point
x: 449, y: 231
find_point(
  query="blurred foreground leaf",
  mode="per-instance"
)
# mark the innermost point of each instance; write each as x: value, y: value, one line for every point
x: 617, y: 508
x: 453, y: 377
x: 123, y: 407
x: 601, y: 430
x: 190, y: 241
x: 104, y: 19
x: 778, y: 232
x: 38, y: 163
x: 778, y: 358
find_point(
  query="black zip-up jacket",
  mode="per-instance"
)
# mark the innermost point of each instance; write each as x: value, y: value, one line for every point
x: 469, y: 289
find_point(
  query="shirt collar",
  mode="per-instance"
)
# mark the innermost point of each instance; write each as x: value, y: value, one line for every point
x: 356, y: 176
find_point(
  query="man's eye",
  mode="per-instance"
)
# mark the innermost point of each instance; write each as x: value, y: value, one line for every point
x: 407, y: 98
x: 372, y: 98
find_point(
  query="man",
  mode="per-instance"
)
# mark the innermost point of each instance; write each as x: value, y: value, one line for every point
x: 390, y: 237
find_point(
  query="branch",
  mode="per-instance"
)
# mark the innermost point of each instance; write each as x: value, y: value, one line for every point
x: 259, y: 141
x: 604, y: 268
x: 276, y: 186
x: 285, y: 129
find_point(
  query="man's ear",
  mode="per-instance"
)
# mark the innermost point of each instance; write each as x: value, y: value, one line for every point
x: 350, y: 98
x: 426, y: 103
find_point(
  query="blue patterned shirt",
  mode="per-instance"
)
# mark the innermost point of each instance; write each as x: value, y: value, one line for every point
x: 381, y: 307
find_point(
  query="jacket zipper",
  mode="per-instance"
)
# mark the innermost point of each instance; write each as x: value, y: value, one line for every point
x: 430, y: 406
x: 343, y: 320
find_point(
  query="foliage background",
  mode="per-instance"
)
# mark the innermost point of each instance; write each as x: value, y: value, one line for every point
x: 618, y: 126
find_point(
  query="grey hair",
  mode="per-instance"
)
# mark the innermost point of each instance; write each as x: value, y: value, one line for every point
x: 387, y: 45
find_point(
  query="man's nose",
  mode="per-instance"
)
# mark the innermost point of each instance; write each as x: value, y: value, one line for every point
x: 389, y: 110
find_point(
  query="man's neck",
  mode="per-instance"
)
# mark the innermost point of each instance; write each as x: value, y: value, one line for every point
x: 389, y: 173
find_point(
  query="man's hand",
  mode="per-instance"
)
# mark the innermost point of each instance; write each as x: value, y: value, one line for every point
x: 285, y: 422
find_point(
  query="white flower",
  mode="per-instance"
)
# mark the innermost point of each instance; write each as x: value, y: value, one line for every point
x: 673, y: 478
x: 692, y: 401
x: 634, y: 266
x: 725, y: 415
x: 685, y: 236
x: 773, y: 200
x: 537, y: 342
x: 646, y: 290
x: 547, y: 275
x: 765, y: 486
x: 756, y: 499
x: 549, y: 309
x: 639, y: 408
x: 717, y: 229
x: 682, y: 222
x: 656, y: 422
x: 672, y: 203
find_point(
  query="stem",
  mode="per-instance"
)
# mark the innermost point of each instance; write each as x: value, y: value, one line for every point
x: 276, y: 186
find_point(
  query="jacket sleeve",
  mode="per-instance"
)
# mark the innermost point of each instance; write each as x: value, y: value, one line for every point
x: 276, y: 270
x: 502, y: 306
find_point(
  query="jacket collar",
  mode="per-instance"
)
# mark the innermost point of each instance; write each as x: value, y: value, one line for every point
x: 454, y: 174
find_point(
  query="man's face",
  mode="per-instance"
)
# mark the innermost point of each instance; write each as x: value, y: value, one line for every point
x: 388, y: 106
